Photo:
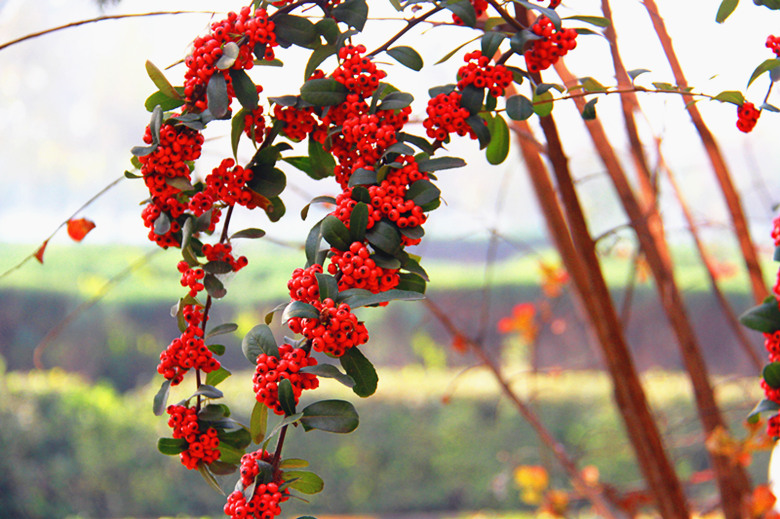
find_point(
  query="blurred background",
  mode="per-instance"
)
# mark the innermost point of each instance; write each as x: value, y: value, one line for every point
x: 78, y: 437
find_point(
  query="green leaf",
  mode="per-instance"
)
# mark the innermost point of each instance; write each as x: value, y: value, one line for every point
x: 764, y: 406
x: 293, y: 463
x: 172, y: 446
x: 763, y: 318
x: 384, y: 236
x: 330, y: 371
x: 251, y: 233
x: 464, y: 10
x: 161, y: 398
x: 216, y: 349
x: 260, y: 339
x: 209, y: 477
x: 221, y: 330
x: 319, y: 55
x: 166, y: 103
x: 411, y: 283
x: 520, y: 39
x: 357, y: 297
x: 267, y: 180
x: 361, y: 371
x: 437, y: 164
x: 329, y: 29
x: 335, y: 233
x: 217, y: 96
x: 731, y: 96
x: 479, y: 126
x: 598, y: 21
x: 220, y: 468
x: 453, y: 52
x: 214, y: 286
x: 416, y: 140
x: 543, y: 104
x: 327, y: 285
x: 771, y: 375
x: 323, y: 92
x: 634, y: 73
x: 312, y: 247
x: 295, y: 30
x: 765, y: 66
x: 588, y: 84
x: 471, y: 98
x: 322, y: 162
x: 726, y: 8
x: 776, y: 255
x: 275, y: 209
x: 407, y: 57
x: 498, y: 149
x: 322, y: 199
x: 336, y: 416
x: 363, y: 177
x: 422, y: 192
x: 207, y: 391
x: 304, y: 481
x: 229, y: 454
x: 396, y: 101
x: 215, y: 377
x: 546, y: 11
x: 352, y: 12
x: 159, y: 80
x: 258, y: 422
x: 230, y: 52
x: 218, y: 267
x: 491, y: 41
x: 213, y: 412
x: 358, y: 221
x: 300, y: 309
x: 245, y: 89
x: 236, y: 130
x: 286, y: 397
x: 589, y: 110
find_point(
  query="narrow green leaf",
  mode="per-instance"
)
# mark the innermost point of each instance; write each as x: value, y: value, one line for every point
x: 160, y: 81
x: 411, y: 283
x: 330, y: 371
x: 260, y: 339
x: 440, y: 163
x: 250, y: 233
x: 336, y: 416
x: 304, y: 481
x: 172, y: 446
x: 384, y: 236
x: 286, y: 397
x: 589, y: 110
x: 731, y: 96
x: 207, y: 391
x: 361, y: 371
x: 479, y: 126
x: 246, y: 91
x: 352, y: 12
x: 215, y: 377
x: 366, y: 299
x: 209, y: 477
x: 498, y: 149
x: 258, y: 422
x: 236, y: 130
x: 634, y: 73
x: 319, y: 55
x: 335, y: 233
x: 221, y: 330
x: 312, y: 245
x: 491, y: 41
x: 407, y: 57
x: 765, y: 66
x: 520, y: 40
x: 455, y: 51
x: 726, y: 8
x: 327, y: 285
x: 762, y: 318
x: 161, y: 398
x: 166, y: 103
x: 546, y: 11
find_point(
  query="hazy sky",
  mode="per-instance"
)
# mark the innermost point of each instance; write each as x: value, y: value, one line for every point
x: 73, y: 107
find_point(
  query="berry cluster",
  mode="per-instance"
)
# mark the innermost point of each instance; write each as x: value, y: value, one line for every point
x: 177, y: 147
x: 298, y: 122
x: 773, y: 42
x: 202, y: 446
x: 551, y: 45
x: 356, y: 72
x: 772, y: 345
x: 266, y: 497
x: 254, y: 122
x: 747, y: 117
x: 271, y: 370
x: 481, y: 74
x: 253, y: 32
x: 224, y: 252
x: 227, y: 183
x: 447, y: 116
x: 358, y: 270
x: 192, y: 278
x: 303, y: 284
x: 480, y: 7
x: 334, y: 332
x: 188, y: 350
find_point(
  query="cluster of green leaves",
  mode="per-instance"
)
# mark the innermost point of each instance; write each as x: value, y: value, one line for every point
x: 765, y: 318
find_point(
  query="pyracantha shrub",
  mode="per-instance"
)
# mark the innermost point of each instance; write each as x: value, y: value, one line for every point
x: 202, y: 444
x: 270, y: 371
x: 552, y: 44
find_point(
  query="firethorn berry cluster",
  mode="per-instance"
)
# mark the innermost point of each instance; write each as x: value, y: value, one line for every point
x: 772, y: 345
x: 446, y: 116
x: 252, y: 32
x: 481, y: 74
x: 271, y: 370
x: 480, y: 7
x: 773, y: 43
x: 188, y: 350
x: 552, y: 44
x: 356, y: 72
x: 358, y: 270
x: 303, y: 284
x: 747, y: 117
x: 298, y: 122
x: 265, y: 498
x: 202, y: 446
x: 334, y: 332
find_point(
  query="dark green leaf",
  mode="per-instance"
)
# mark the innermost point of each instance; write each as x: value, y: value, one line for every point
x: 352, y: 12
x: 589, y: 110
x: 251, y: 233
x: 217, y: 349
x: 325, y: 199
x: 498, y: 149
x: 490, y: 43
x: 384, y: 236
x: 275, y: 209
x: 239, y: 438
x: 420, y: 142
x: 361, y: 371
x: 437, y: 164
x: 362, y: 177
x: 215, y: 377
x: 598, y: 21
x: 480, y: 128
x: 161, y: 398
x: 323, y: 92
x: 222, y: 329
x: 162, y: 224
x: 464, y: 10
x: 471, y: 98
x: 776, y: 255
x: 407, y: 57
x: 319, y: 55
x: 159, y: 80
x: 312, y: 246
x: 322, y: 162
x: 207, y: 391
x: 726, y: 8
x: 765, y: 66
x: 411, y: 283
x: 771, y: 375
x: 295, y: 30
x: 267, y: 181
x: 300, y: 309
x: 246, y: 91
x: 366, y: 299
x: 335, y: 233
x: 303, y: 164
x: 337, y: 416
x: 260, y: 339
x: 413, y: 233
x: 218, y: 267
x: 520, y: 39
x: 236, y: 130
x: 286, y: 397
x: 172, y: 446
x: 229, y: 454
x: 396, y: 101
x: 358, y: 221
x: 546, y: 11
x: 285, y: 100
x: 634, y: 73
x: 213, y: 412
x: 304, y: 481
x: 230, y: 52
x: 386, y: 261
x: 327, y: 286
x: 220, y: 468
x: 217, y: 96
x: 764, y: 406
x: 258, y: 422
x: 209, y: 477
x: 329, y: 29
x: 763, y: 318
x: 442, y: 89
x: 214, y: 286
x: 166, y: 103
x: 330, y: 371
x: 422, y: 192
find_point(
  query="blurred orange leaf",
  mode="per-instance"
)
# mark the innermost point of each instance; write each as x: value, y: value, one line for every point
x: 522, y: 321
x: 553, y: 279
x: 760, y: 504
x: 556, y: 502
x: 79, y: 227
x: 39, y: 253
